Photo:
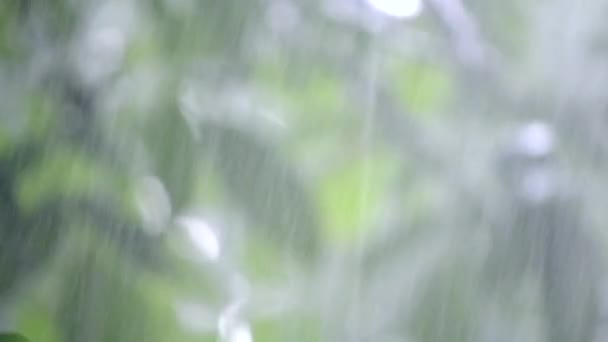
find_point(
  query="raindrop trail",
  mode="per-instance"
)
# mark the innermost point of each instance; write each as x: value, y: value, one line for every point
x: 370, y: 77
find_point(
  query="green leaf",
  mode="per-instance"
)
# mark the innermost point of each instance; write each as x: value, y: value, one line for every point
x: 65, y: 173
x: 264, y: 185
x: 291, y: 326
x: 319, y: 95
x: 12, y: 337
x: 352, y: 195
x: 446, y: 311
x: 37, y: 323
x: 424, y: 89
x: 105, y: 299
x: 174, y: 153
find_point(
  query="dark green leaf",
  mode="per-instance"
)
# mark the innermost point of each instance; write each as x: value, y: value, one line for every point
x: 264, y: 184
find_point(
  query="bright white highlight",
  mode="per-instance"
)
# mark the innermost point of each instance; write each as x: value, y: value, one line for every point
x: 536, y: 139
x: 231, y: 328
x: 202, y: 235
x: 240, y: 333
x: 397, y: 8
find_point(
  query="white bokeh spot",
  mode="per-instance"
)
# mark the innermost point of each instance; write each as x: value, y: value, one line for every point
x: 398, y: 8
x: 536, y: 139
x: 202, y: 236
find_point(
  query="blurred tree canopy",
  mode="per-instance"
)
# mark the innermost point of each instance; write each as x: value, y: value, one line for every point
x: 281, y: 170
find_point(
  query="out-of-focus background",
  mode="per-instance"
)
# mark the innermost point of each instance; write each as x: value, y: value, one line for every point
x: 291, y: 170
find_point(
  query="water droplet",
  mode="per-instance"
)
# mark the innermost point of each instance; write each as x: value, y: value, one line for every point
x: 240, y: 333
x: 536, y: 139
x: 231, y: 328
x: 397, y: 8
x: 202, y: 235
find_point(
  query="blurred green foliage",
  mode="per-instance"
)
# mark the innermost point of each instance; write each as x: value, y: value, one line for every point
x: 329, y: 153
